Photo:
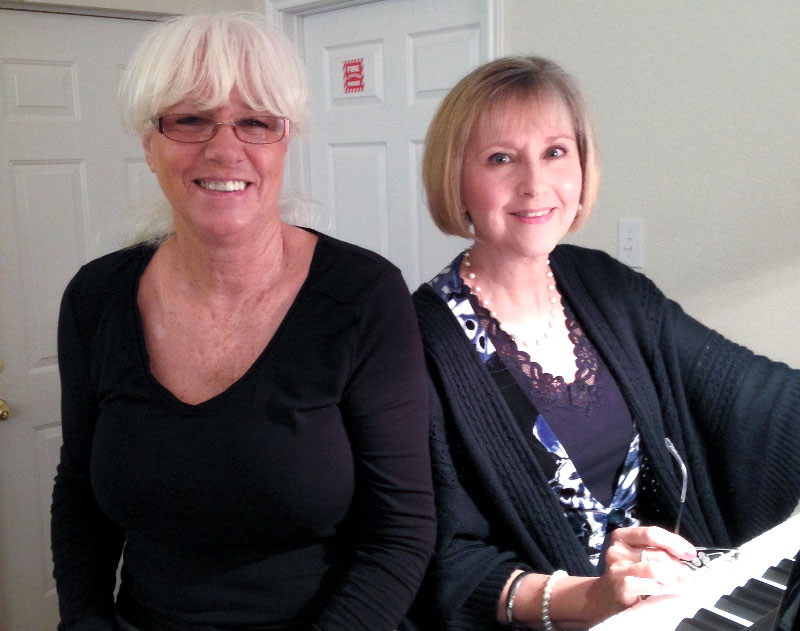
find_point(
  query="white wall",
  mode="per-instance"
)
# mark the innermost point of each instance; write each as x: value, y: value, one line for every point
x: 697, y: 116
x: 697, y: 110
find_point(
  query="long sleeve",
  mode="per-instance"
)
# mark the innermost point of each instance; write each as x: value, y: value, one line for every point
x: 473, y: 560
x: 385, y: 409
x: 86, y: 545
x: 732, y: 414
x: 746, y: 411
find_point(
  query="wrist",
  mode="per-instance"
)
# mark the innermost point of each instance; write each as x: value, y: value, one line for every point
x: 511, y: 595
x: 528, y: 591
x: 571, y: 603
x: 547, y: 621
x: 577, y: 602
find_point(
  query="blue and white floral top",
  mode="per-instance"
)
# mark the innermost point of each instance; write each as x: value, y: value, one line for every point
x: 591, y: 403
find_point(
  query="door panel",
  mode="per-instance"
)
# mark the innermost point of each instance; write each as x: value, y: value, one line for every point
x: 69, y: 175
x: 376, y: 74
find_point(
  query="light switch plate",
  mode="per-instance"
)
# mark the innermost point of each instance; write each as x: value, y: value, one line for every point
x: 630, y: 242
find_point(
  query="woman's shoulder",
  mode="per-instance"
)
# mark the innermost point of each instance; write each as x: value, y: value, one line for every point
x: 595, y: 268
x: 438, y: 325
x: 579, y: 255
x: 108, y: 273
x: 103, y: 286
x: 356, y: 259
x: 351, y: 273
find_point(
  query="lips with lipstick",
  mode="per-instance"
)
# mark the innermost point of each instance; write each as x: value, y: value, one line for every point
x: 227, y: 186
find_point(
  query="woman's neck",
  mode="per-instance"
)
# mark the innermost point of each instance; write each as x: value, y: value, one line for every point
x: 518, y: 287
x: 230, y: 269
x: 521, y: 293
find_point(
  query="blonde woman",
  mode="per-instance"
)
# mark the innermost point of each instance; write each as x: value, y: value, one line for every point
x: 560, y: 376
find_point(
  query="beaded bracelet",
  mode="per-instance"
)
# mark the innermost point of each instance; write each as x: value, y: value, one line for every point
x: 512, y: 594
x: 548, y: 588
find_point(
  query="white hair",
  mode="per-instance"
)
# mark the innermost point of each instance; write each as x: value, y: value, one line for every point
x: 203, y: 57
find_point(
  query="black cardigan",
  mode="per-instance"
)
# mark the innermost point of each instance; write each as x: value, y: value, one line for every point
x: 734, y: 416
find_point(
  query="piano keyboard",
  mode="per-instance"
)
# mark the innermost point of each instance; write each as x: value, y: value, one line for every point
x: 746, y: 605
x: 714, y: 601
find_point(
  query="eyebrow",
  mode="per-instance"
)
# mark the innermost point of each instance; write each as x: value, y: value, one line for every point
x: 503, y: 143
x: 561, y: 137
x: 210, y: 113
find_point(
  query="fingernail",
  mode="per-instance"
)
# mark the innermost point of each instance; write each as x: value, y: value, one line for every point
x: 688, y: 556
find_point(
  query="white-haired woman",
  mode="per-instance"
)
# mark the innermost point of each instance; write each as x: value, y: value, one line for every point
x: 244, y: 403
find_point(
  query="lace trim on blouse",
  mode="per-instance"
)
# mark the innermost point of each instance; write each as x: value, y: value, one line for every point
x: 587, y: 516
x: 581, y: 393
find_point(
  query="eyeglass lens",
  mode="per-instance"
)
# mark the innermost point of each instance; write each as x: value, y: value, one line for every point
x: 192, y: 128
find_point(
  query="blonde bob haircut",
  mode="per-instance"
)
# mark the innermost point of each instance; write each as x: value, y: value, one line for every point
x: 509, y: 82
x: 202, y: 57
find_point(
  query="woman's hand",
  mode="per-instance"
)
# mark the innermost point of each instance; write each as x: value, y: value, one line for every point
x: 641, y: 561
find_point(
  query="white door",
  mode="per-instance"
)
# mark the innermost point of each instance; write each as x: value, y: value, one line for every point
x: 68, y: 174
x: 376, y: 74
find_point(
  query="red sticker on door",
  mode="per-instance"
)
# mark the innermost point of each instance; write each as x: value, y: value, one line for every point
x: 353, y: 73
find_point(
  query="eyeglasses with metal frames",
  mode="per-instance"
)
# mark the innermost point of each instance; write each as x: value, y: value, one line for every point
x: 190, y: 128
x: 704, y: 555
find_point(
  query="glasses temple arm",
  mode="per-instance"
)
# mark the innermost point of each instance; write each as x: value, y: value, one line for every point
x: 684, y: 479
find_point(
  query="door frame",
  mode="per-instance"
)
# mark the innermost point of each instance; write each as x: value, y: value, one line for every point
x: 289, y: 16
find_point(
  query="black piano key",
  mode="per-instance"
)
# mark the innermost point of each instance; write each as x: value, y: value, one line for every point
x: 752, y: 599
x: 766, y: 590
x: 716, y: 621
x: 740, y: 608
x: 786, y: 564
x: 777, y: 575
x: 688, y: 624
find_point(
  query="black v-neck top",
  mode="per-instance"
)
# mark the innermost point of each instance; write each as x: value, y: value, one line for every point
x: 298, y: 498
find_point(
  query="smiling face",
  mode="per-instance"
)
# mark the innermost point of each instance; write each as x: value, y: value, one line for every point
x: 221, y: 187
x: 521, y: 179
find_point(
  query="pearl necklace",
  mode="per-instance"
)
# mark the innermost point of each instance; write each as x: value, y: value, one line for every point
x: 555, y: 304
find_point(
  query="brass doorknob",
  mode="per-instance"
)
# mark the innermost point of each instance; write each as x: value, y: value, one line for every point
x: 5, y: 411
